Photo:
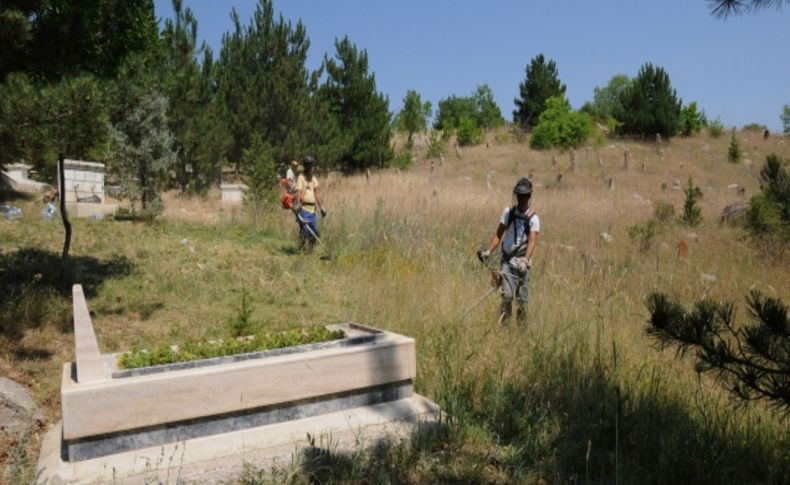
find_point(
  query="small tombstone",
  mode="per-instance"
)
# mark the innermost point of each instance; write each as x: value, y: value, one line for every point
x: 664, y: 187
x: 681, y: 165
x: 558, y: 180
x: 734, y: 213
x: 586, y: 153
x: 457, y: 150
x: 554, y: 160
x: 644, y: 169
x: 610, y: 183
x: 766, y: 134
x: 488, y: 181
x: 708, y: 278
x: 486, y: 144
x: 606, y: 237
x: 658, y: 141
x: 626, y: 157
x: 692, y: 236
x: 676, y: 184
x: 682, y: 249
x: 600, y: 160
x: 441, y: 159
x: 572, y: 156
x: 367, y: 175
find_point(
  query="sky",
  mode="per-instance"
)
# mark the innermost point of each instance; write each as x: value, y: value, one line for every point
x: 737, y: 69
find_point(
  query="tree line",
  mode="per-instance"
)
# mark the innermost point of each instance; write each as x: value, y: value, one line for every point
x: 103, y: 82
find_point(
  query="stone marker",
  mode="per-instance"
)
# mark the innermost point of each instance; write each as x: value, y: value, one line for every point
x: 233, y: 193
x: 682, y: 249
x: 626, y: 157
x: 18, y: 411
x: 572, y: 156
x: 610, y: 182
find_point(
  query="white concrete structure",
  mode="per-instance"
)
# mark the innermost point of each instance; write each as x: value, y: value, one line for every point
x: 16, y: 175
x: 84, y: 189
x: 84, y: 181
x: 233, y: 193
x: 221, y: 412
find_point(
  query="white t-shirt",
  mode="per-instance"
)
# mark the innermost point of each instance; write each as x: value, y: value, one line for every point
x: 289, y: 175
x: 515, y: 234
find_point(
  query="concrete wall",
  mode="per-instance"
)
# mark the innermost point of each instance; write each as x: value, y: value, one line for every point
x: 83, y: 180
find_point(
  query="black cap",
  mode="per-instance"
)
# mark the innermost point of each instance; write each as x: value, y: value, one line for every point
x: 308, y: 160
x: 523, y: 187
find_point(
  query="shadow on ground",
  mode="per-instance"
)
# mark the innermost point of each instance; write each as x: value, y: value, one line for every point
x: 7, y: 194
x: 35, y: 283
x: 574, y: 425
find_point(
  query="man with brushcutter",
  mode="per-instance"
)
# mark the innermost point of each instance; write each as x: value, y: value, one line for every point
x: 518, y: 232
x: 308, y: 201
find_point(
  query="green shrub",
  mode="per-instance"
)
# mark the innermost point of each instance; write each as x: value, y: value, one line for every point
x: 468, y: 132
x: 755, y: 127
x: 241, y: 324
x: 769, y: 211
x: 716, y: 128
x: 664, y: 211
x: 402, y: 160
x: 691, y: 120
x: 734, y: 151
x: 645, y: 233
x: 558, y: 126
x: 436, y: 147
x: 190, y: 351
x: 692, y: 214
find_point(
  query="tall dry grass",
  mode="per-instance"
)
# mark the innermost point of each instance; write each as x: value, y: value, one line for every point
x: 581, y: 395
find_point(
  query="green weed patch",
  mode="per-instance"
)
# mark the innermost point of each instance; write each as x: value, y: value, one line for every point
x: 165, y: 354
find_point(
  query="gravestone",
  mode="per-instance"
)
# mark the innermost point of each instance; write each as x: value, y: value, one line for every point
x: 233, y: 193
x: 84, y: 189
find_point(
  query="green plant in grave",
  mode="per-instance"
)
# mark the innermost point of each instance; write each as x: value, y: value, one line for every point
x: 189, y: 351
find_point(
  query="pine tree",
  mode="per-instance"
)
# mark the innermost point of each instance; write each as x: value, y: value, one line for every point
x: 262, y: 80
x: 692, y: 214
x: 751, y: 360
x: 541, y: 83
x: 360, y: 111
x: 649, y: 105
x: 734, y: 151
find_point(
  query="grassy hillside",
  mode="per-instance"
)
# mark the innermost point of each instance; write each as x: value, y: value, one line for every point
x: 581, y: 395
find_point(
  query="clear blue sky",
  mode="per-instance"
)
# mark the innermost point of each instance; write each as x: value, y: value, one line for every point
x: 738, y: 69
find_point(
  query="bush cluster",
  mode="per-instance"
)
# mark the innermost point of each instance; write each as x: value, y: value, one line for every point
x: 561, y: 127
x: 769, y: 212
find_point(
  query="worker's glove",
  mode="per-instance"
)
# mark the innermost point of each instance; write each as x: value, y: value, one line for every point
x: 483, y: 255
x: 323, y: 212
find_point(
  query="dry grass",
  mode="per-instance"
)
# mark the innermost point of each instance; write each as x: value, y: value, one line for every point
x: 399, y: 254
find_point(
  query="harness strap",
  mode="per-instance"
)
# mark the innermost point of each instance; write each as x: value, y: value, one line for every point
x: 521, y: 249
